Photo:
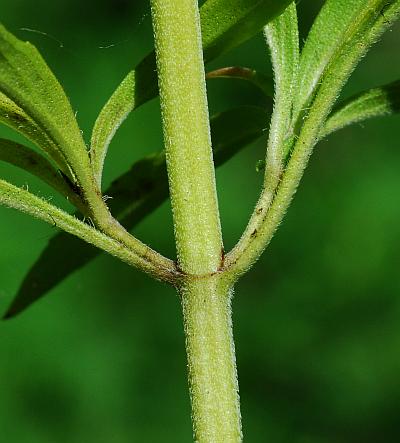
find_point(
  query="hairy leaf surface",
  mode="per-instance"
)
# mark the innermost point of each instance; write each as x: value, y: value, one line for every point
x: 375, y: 102
x: 16, y: 118
x: 28, y: 83
x: 282, y: 36
x: 228, y: 23
x: 327, y: 34
x: 343, y: 29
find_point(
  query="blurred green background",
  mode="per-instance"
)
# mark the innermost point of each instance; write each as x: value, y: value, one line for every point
x: 317, y: 321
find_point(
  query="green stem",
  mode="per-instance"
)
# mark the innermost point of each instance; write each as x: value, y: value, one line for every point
x: 210, y: 348
x: 187, y: 135
x: 191, y: 175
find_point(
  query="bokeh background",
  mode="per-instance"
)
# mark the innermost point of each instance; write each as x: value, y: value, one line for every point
x: 317, y: 321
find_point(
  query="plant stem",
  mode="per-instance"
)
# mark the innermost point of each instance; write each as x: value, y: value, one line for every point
x: 210, y: 348
x: 205, y: 296
x: 187, y: 135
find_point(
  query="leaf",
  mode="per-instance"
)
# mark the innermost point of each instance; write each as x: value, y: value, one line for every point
x: 343, y: 29
x: 134, y: 195
x: 34, y: 163
x: 371, y: 22
x: 282, y: 36
x: 28, y: 83
x: 376, y: 102
x: 45, y: 274
x: 139, y: 86
x: 258, y: 79
x: 327, y: 34
x: 17, y: 119
x: 225, y: 24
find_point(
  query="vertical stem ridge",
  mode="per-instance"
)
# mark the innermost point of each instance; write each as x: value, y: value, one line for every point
x: 187, y: 138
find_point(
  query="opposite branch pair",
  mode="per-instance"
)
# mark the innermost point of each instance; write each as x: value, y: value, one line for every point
x: 230, y: 131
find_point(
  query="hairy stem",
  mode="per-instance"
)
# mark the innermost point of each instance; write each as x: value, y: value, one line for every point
x: 210, y: 348
x: 191, y: 175
x: 187, y: 135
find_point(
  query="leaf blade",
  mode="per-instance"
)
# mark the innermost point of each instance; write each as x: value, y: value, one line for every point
x: 17, y: 119
x: 344, y: 30
x: 376, y: 102
x: 27, y: 81
x: 139, y: 86
x: 226, y: 24
x: 368, y: 26
x: 282, y: 36
x: 34, y: 163
x: 325, y: 37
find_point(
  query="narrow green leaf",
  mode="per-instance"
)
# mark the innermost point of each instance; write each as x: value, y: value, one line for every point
x: 341, y: 27
x: 371, y: 22
x: 16, y: 118
x: 376, y: 102
x: 282, y: 36
x: 134, y: 195
x: 139, y: 86
x: 225, y: 24
x: 27, y: 82
x: 327, y: 34
x: 45, y: 274
x: 34, y: 163
x: 258, y: 79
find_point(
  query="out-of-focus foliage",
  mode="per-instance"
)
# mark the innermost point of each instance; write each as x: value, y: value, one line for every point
x: 316, y: 322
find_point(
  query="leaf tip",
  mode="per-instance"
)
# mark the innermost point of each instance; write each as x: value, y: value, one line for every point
x: 13, y: 310
x: 8, y: 314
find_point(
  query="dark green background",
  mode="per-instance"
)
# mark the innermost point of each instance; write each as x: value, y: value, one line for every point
x: 317, y: 321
